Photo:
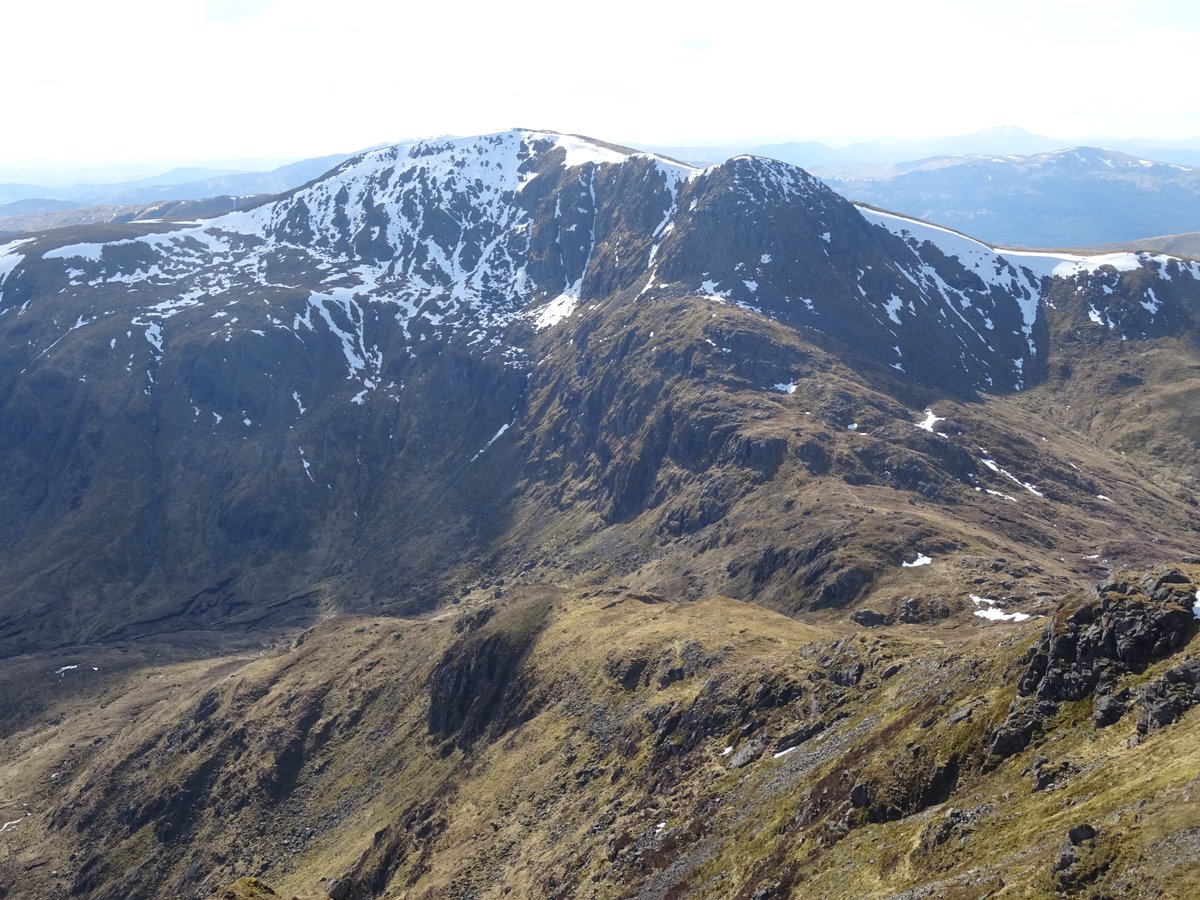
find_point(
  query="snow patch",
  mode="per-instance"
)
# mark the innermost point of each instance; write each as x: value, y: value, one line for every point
x: 154, y: 336
x: 930, y: 420
x: 1153, y: 305
x: 991, y: 464
x: 10, y: 260
x: 788, y: 387
x: 992, y: 610
x: 495, y: 437
x: 581, y: 153
x: 90, y: 252
x: 1122, y: 262
x: 892, y: 308
x: 921, y: 560
x: 555, y: 311
x: 9, y: 826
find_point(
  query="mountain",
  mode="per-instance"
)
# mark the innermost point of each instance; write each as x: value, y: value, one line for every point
x: 167, y: 210
x: 20, y: 208
x: 529, y: 514
x: 1068, y: 198
x: 1008, y: 140
x: 20, y: 200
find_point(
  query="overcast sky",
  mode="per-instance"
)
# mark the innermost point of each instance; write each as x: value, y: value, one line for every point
x: 87, y: 83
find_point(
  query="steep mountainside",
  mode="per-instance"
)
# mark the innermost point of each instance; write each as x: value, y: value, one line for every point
x: 1067, y: 198
x: 234, y: 401
x: 524, y: 515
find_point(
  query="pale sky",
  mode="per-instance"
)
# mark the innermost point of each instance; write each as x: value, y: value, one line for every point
x: 87, y: 83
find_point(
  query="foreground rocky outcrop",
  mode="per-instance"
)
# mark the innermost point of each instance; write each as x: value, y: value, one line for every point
x: 1088, y: 649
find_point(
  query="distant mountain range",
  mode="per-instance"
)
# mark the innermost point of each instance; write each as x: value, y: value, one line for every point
x: 1010, y: 186
x: 1004, y: 185
x: 177, y: 184
x: 1066, y: 198
x: 1001, y: 141
x: 1186, y: 245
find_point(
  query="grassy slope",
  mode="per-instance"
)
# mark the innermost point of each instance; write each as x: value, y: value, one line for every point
x: 317, y: 760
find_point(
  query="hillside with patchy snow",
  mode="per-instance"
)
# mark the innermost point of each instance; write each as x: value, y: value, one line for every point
x: 275, y: 398
x: 737, y: 508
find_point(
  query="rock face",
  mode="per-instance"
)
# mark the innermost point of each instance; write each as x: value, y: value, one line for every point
x: 1127, y: 627
x: 1084, y: 650
x: 1166, y: 699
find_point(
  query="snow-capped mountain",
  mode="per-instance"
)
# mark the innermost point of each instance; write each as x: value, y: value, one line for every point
x: 527, y: 516
x: 473, y: 236
x: 213, y: 420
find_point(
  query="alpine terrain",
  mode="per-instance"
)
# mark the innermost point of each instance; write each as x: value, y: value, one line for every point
x: 528, y: 516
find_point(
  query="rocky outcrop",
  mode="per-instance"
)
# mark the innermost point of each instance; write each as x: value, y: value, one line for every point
x: 469, y: 688
x: 1085, y: 649
x: 1131, y: 624
x: 476, y: 686
x: 1167, y: 698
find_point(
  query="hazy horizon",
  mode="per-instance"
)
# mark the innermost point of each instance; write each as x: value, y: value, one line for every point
x: 63, y: 174
x: 204, y: 81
